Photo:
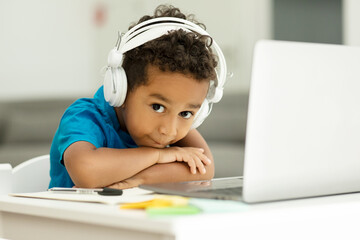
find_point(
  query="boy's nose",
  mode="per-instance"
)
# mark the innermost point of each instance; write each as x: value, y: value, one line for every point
x: 168, y: 128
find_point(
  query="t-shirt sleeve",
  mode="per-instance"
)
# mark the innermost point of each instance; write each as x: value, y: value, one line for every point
x: 80, y: 124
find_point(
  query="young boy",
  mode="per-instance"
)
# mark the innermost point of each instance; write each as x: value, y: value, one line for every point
x: 149, y: 137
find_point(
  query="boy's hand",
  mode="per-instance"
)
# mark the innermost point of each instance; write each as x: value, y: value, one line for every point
x: 194, y: 157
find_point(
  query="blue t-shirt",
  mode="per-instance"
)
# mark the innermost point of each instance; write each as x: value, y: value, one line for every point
x: 88, y: 119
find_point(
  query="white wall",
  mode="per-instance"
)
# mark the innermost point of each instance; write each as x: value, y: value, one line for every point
x: 46, y: 48
x: 53, y: 48
x: 351, y: 22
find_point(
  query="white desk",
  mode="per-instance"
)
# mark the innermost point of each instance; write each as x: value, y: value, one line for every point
x: 335, y: 217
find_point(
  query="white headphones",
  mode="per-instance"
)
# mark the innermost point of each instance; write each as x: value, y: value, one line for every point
x: 115, y: 82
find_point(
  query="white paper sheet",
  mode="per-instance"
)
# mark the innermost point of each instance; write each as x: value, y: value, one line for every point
x: 129, y: 195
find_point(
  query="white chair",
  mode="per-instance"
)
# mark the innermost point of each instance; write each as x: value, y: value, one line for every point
x: 5, y: 178
x: 29, y: 176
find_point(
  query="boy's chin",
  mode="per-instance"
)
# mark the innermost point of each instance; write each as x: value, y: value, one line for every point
x: 160, y: 146
x: 154, y: 145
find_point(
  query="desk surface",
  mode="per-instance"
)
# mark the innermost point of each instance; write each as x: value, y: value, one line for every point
x: 323, y: 217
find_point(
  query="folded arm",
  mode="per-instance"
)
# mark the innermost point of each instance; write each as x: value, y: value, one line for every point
x: 91, y: 167
x: 175, y: 171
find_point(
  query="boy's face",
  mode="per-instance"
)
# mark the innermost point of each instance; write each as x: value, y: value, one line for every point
x: 162, y: 111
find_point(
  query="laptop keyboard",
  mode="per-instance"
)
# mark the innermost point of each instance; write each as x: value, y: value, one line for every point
x: 224, y: 191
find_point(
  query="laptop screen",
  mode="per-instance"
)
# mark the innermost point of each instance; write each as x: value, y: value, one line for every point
x: 303, y: 128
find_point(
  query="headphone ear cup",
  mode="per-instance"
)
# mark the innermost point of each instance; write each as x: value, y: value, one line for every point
x: 108, y: 86
x: 114, y: 58
x: 218, y: 94
x: 215, y: 94
x: 115, y: 86
x: 201, y: 115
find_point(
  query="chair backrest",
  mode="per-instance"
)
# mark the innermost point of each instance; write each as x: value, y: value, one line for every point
x: 31, y: 175
x: 5, y: 178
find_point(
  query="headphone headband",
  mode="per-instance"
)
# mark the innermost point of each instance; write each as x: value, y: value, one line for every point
x: 164, y: 20
x: 155, y: 28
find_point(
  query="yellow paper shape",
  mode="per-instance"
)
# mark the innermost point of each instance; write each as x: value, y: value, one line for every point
x: 158, y: 201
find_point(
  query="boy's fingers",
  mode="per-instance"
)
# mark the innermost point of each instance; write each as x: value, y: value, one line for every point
x: 204, y: 159
x: 193, y: 169
x: 200, y: 165
x: 190, y: 161
x: 207, y: 161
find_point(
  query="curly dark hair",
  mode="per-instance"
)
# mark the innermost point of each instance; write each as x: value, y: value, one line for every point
x: 178, y: 51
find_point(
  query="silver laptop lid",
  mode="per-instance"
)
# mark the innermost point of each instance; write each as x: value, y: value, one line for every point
x: 303, y: 128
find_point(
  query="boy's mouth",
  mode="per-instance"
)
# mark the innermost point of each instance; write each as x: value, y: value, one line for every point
x: 158, y: 144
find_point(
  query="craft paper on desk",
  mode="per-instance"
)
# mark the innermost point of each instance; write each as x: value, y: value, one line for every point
x: 217, y: 206
x: 129, y: 196
x: 164, y: 205
x: 177, y: 205
x: 176, y: 210
x: 158, y: 201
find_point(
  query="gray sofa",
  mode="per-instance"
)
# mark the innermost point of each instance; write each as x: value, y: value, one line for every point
x: 27, y: 128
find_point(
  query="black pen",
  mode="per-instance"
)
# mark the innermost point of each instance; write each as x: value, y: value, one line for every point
x: 101, y: 191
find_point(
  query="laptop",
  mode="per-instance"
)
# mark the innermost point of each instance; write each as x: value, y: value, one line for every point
x: 303, y: 127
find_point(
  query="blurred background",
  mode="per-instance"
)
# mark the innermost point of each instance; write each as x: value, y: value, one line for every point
x: 52, y: 52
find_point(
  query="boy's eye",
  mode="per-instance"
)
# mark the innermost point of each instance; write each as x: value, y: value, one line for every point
x: 158, y: 108
x: 186, y: 114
